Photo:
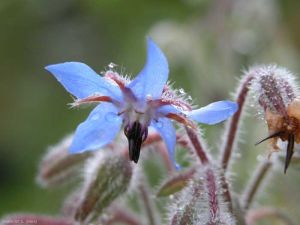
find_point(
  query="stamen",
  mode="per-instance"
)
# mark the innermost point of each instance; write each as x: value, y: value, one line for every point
x: 289, y: 151
x: 277, y: 134
x: 136, y: 135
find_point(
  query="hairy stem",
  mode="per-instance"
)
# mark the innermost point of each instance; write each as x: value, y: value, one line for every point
x: 148, y: 205
x: 233, y: 123
x: 212, y: 195
x: 226, y: 192
x: 210, y: 178
x: 255, y: 183
x: 198, y: 147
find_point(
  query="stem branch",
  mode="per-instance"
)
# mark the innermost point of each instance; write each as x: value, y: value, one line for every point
x: 255, y: 182
x: 197, y: 145
x: 148, y: 205
x: 232, y: 125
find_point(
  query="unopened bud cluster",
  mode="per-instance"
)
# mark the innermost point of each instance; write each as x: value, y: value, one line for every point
x: 58, y: 166
x: 108, y: 176
x: 201, y: 201
x: 273, y: 88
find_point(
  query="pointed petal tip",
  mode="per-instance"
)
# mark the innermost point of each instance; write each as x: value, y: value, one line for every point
x: 82, y: 81
x: 53, y: 66
x: 50, y: 68
x: 215, y: 112
x: 47, y: 67
x: 153, y: 77
x: 151, y: 43
x: 149, y: 39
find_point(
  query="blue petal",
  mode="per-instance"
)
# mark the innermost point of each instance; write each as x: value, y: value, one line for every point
x: 214, y: 113
x: 99, y: 129
x: 81, y: 81
x: 167, y: 131
x: 151, y: 80
x: 166, y: 109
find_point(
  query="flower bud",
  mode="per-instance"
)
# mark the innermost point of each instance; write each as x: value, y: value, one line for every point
x: 274, y: 89
x: 175, y: 183
x: 70, y: 204
x: 107, y: 176
x: 201, y: 202
x: 59, y: 166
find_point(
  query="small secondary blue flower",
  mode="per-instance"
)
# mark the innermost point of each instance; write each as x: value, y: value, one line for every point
x: 146, y: 101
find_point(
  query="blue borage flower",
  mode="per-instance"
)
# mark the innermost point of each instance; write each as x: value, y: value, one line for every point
x: 145, y: 101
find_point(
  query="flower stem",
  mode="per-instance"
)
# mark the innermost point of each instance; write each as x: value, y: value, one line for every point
x: 212, y: 195
x: 148, y: 205
x: 232, y: 125
x: 255, y: 182
x: 226, y: 192
x: 161, y: 147
x: 210, y: 179
x: 198, y: 147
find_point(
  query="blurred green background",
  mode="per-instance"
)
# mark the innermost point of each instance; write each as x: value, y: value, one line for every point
x: 207, y: 43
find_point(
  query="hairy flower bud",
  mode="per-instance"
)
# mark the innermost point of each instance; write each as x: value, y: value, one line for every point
x: 274, y: 89
x: 175, y: 183
x: 59, y: 166
x: 201, y: 202
x: 107, y: 176
x: 71, y: 203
